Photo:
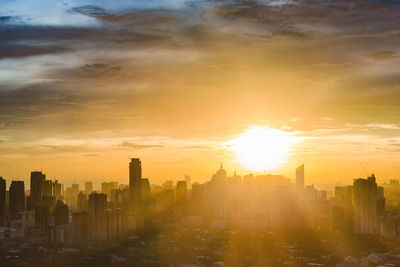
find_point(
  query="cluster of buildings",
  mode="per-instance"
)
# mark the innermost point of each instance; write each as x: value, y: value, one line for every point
x: 72, y: 215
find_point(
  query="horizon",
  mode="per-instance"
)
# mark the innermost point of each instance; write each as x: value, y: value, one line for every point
x: 97, y: 183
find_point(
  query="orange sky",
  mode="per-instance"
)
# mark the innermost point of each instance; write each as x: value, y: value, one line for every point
x: 83, y: 91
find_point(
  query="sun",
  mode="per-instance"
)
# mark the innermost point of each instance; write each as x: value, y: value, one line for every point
x: 261, y: 148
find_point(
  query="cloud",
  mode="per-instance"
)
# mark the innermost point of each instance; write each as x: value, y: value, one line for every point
x: 85, y: 70
x: 4, y: 19
x: 140, y: 146
x: 197, y: 147
x: 383, y: 56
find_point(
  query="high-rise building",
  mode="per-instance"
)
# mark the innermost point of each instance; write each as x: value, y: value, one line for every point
x: 81, y: 226
x: 135, y: 182
x: 42, y: 217
x: 98, y: 216
x: 82, y: 202
x: 300, y: 177
x: 145, y: 187
x: 2, y: 200
x: 37, y: 178
x: 181, y: 193
x: 365, y: 193
x: 380, y: 202
x: 88, y: 188
x: 198, y: 198
x: 219, y: 178
x: 57, y: 189
x: 235, y: 181
x: 47, y: 189
x: 107, y: 187
x: 61, y: 213
x: 16, y: 198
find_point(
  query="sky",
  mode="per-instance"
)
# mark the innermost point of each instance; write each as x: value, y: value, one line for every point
x: 86, y: 85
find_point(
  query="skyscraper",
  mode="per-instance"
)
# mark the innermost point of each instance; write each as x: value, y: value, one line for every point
x: 365, y: 193
x: 37, y: 178
x: 82, y: 202
x: 2, y: 200
x: 57, y: 189
x: 135, y: 182
x: 219, y: 178
x: 97, y: 214
x: 47, y: 189
x: 300, y: 177
x: 16, y: 198
x: 61, y: 213
x: 145, y: 187
x: 181, y: 193
x: 107, y: 187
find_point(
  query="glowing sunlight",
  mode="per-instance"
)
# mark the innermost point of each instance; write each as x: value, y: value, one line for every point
x: 261, y: 148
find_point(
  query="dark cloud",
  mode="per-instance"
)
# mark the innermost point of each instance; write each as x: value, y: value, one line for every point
x: 5, y: 19
x: 19, y: 51
x: 141, y: 18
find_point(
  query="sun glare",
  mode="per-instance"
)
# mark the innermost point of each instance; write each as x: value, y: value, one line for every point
x: 261, y: 148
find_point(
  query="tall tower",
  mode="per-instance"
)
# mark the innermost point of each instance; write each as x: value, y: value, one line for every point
x: 135, y: 182
x: 181, y: 193
x: 17, y: 198
x: 97, y: 215
x: 365, y: 194
x: 37, y: 178
x: 300, y: 177
x: 2, y: 200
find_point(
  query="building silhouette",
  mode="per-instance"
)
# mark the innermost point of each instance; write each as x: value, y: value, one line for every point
x: 107, y: 187
x: 181, y: 193
x: 42, y: 217
x: 57, y: 189
x: 37, y: 178
x: 47, y: 189
x: 219, y: 178
x: 16, y: 198
x: 81, y: 227
x: 61, y: 213
x: 2, y: 200
x: 97, y: 216
x: 82, y: 202
x: 135, y: 182
x: 365, y: 194
x: 145, y: 187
